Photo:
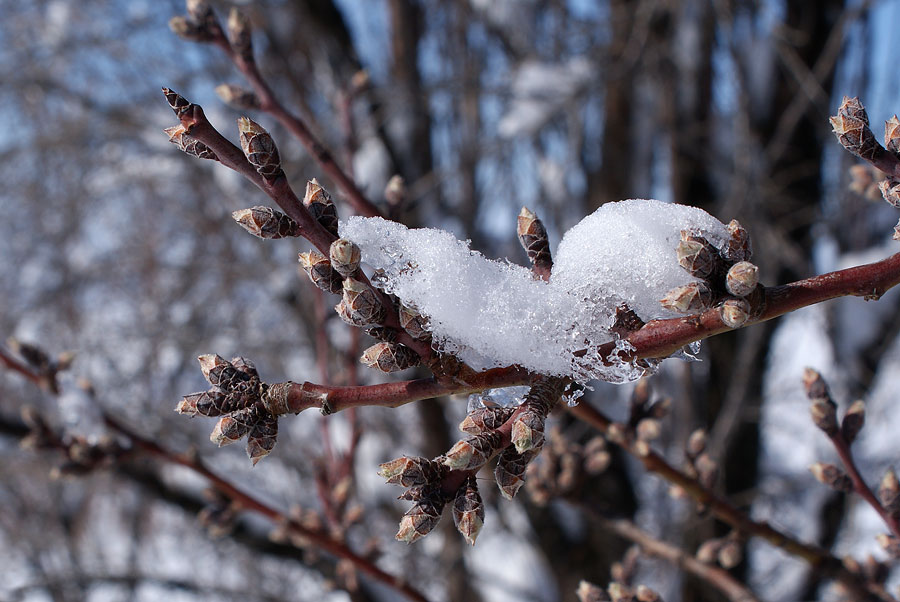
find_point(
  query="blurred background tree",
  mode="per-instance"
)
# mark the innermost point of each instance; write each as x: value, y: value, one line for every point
x: 122, y: 249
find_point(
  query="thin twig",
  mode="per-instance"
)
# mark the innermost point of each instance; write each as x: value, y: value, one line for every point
x: 819, y: 558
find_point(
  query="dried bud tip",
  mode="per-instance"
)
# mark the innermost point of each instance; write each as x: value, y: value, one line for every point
x: 734, y: 312
x: 315, y: 193
x: 696, y: 256
x: 742, y: 278
x: 178, y: 103
x: 892, y: 135
x: 533, y: 237
x: 209, y: 361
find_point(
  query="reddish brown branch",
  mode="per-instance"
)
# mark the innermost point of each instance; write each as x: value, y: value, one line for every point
x: 270, y: 103
x: 819, y: 558
x: 859, y: 484
x: 241, y: 498
x: 715, y: 576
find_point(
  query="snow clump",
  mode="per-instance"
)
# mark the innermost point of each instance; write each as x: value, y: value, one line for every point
x: 493, y: 313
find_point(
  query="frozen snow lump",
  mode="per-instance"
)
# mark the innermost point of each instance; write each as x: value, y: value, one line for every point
x: 495, y: 313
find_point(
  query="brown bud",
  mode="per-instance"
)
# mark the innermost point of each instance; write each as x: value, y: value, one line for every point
x: 692, y: 297
x: 734, y: 312
x: 533, y: 238
x: 320, y: 205
x: 239, y: 35
x: 259, y: 148
x: 472, y: 452
x: 853, y: 421
x: 822, y: 408
x: 730, y: 554
x: 390, y: 357
x: 411, y: 472
x: 588, y: 592
x: 889, y: 544
x: 344, y: 256
x: 510, y: 470
x: 737, y: 247
x: 742, y: 278
x: 262, y: 437
x: 232, y: 427
x: 892, y: 135
x: 707, y: 470
x: 697, y: 256
x: 468, y: 510
x: 648, y: 429
x: 319, y: 270
x: 208, y: 403
x: 696, y: 443
x: 362, y: 302
x: 890, y: 191
x: 201, y: 12
x: 237, y: 97
x: 617, y: 433
x: 708, y: 551
x: 889, y: 492
x: 485, y: 419
x: 596, y: 457
x: 266, y: 222
x: 209, y: 363
x: 395, y: 191
x: 179, y: 137
x: 414, y: 323
x: 528, y: 430
x: 178, y: 103
x: 348, y: 316
x: 420, y: 520
x: 831, y: 475
x: 851, y: 126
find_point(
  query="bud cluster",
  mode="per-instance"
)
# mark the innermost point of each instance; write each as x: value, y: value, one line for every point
x: 422, y: 478
x: 239, y: 398
x: 726, y: 277
x: 562, y: 469
x: 822, y: 407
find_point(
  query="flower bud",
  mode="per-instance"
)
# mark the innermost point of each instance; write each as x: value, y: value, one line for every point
x: 822, y: 408
x: 707, y: 470
x: 709, y: 550
x: 321, y: 207
x: 395, y: 191
x: 187, y: 29
x: 485, y: 419
x: 692, y: 297
x: 266, y: 222
x: 259, y: 148
x: 468, y: 510
x: 528, y: 430
x: 831, y: 475
x: 262, y: 437
x: 473, y: 452
x: 851, y: 126
x: 319, y: 270
x: 533, y: 237
x: 383, y: 334
x: 414, y: 323
x: 892, y: 135
x: 362, y: 303
x: 734, y: 312
x: 420, y: 520
x: 237, y: 97
x: 390, y: 357
x: 232, y: 427
x: 696, y: 256
x: 742, y: 278
x: 890, y: 191
x: 411, y: 471
x: 239, y: 35
x: 889, y: 492
x: 178, y: 103
x: 179, y: 137
x: 853, y: 421
x: 510, y: 470
x: 730, y: 554
x: 344, y: 256
x: 648, y: 429
x: 737, y: 247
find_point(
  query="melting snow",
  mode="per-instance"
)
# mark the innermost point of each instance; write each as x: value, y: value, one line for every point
x: 494, y: 313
